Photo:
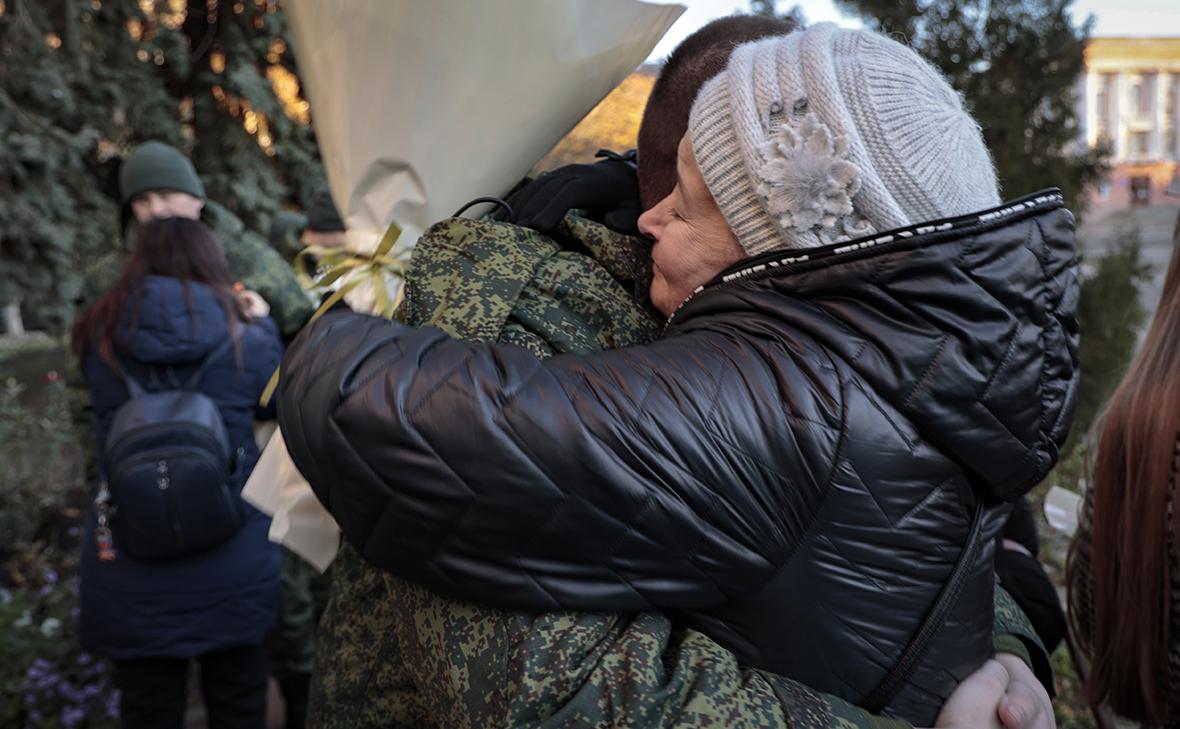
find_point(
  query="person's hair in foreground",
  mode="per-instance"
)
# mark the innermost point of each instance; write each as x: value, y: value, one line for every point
x: 174, y: 247
x: 1124, y: 614
x: 698, y: 58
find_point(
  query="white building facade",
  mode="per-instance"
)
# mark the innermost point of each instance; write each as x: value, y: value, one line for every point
x: 1131, y: 100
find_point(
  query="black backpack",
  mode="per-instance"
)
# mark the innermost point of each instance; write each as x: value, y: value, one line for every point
x: 172, y: 478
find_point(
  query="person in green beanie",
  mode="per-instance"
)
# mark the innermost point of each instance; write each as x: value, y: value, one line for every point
x: 158, y: 181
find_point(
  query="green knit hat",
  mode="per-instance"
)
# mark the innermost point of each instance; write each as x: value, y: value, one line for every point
x: 323, y: 217
x: 158, y: 166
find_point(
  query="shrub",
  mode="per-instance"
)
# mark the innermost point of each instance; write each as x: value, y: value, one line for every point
x: 46, y: 680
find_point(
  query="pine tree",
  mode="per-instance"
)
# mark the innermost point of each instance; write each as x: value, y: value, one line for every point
x: 1018, y: 65
x: 83, y: 81
x: 769, y: 8
x: 1110, y: 317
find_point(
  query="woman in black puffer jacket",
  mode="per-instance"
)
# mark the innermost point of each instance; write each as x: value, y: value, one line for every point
x: 866, y: 357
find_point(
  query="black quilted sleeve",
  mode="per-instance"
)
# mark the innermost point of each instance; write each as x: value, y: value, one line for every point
x: 672, y: 475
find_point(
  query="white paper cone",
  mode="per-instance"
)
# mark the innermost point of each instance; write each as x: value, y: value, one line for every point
x: 419, y: 107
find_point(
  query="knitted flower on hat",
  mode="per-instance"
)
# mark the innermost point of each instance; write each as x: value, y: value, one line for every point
x: 807, y: 181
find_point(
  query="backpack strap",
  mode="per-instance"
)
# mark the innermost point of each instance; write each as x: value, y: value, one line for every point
x: 195, y: 379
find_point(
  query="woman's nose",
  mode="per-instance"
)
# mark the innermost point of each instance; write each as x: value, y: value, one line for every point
x: 652, y: 219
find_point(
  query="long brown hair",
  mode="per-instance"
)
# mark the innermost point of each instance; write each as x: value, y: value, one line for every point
x: 175, y: 247
x: 1133, y: 523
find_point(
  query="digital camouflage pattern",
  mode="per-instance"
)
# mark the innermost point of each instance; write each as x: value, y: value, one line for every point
x: 491, y: 281
x: 291, y: 645
x: 391, y: 653
x: 1012, y: 632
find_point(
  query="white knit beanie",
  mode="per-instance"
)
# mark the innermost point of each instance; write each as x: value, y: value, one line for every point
x: 829, y: 134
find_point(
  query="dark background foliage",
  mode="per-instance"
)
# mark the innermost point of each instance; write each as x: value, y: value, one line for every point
x: 82, y: 81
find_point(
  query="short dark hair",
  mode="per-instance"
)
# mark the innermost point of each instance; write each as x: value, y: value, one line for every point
x: 698, y: 58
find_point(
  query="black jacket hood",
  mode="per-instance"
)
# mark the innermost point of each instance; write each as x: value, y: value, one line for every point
x: 964, y: 325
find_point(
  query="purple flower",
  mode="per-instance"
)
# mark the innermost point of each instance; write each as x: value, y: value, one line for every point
x: 37, y: 669
x: 51, y: 576
x: 34, y: 717
x: 113, y: 703
x: 71, y: 716
x: 68, y: 692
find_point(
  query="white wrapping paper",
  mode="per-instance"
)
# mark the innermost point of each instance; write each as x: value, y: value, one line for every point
x: 419, y: 107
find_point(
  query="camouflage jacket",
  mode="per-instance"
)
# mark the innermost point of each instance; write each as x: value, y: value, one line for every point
x: 251, y: 260
x: 392, y: 653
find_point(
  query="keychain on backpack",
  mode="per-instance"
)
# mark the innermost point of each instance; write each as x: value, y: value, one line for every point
x: 102, y: 533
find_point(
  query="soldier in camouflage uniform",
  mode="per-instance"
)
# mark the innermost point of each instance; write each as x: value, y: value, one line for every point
x: 392, y: 653
x: 158, y: 181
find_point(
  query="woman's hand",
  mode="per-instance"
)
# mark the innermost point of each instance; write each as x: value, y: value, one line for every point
x: 255, y: 306
x: 975, y: 704
x: 1026, y: 703
x: 1002, y: 694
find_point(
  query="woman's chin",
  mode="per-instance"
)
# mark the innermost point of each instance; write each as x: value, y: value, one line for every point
x: 660, y: 296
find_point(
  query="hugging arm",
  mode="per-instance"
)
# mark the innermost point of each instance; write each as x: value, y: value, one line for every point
x: 626, y: 480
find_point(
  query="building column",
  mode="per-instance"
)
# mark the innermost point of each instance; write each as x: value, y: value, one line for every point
x: 1090, y: 111
x: 1174, y: 85
x: 1160, y: 117
x: 1118, y: 126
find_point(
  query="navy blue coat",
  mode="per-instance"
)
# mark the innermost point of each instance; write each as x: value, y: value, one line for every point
x: 227, y: 596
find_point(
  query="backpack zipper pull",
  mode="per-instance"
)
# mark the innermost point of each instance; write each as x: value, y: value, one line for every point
x: 103, y: 539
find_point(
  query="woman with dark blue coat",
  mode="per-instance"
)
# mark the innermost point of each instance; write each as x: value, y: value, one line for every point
x: 173, y: 309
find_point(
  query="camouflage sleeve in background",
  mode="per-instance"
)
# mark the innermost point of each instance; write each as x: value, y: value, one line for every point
x: 260, y: 268
x: 98, y: 278
x: 291, y: 645
x: 1013, y: 633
